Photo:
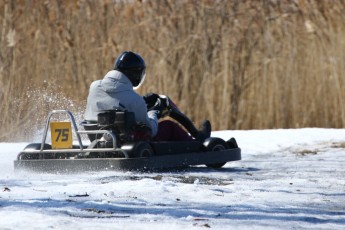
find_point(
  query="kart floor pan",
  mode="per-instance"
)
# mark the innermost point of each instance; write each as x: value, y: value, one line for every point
x: 128, y: 164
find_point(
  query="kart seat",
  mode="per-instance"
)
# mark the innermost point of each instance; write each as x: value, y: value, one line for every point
x: 123, y: 123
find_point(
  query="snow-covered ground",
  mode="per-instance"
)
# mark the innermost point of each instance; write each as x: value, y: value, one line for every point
x: 287, y: 179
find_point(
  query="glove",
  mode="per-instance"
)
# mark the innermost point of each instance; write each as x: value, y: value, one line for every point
x: 151, y: 99
x: 157, y: 108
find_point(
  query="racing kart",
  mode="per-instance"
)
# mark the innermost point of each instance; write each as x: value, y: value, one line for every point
x: 117, y: 142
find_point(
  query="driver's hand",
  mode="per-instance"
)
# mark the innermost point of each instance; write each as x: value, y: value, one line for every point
x: 151, y: 99
x: 158, y: 108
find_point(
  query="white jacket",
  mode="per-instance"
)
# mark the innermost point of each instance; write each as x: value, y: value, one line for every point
x: 115, y: 91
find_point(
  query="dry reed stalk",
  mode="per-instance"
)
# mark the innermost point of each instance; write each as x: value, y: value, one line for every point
x: 242, y: 64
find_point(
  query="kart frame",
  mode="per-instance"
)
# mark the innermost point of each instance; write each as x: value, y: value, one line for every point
x: 75, y: 164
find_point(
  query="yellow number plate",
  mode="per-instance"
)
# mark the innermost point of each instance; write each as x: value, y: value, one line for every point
x: 61, y: 133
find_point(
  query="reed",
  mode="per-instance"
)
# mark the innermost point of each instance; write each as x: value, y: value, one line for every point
x: 242, y: 64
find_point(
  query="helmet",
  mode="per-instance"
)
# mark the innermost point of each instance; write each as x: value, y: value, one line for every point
x: 133, y: 66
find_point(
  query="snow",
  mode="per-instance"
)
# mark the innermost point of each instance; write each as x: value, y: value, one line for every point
x: 287, y: 179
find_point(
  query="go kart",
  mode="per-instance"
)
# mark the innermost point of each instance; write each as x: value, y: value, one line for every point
x: 117, y: 142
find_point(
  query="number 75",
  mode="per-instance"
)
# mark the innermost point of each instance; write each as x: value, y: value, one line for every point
x: 62, y: 135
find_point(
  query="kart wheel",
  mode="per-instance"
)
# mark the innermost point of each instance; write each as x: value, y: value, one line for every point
x: 141, y: 149
x: 32, y: 156
x: 213, y: 145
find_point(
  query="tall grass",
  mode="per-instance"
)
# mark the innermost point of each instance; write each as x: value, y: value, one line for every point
x: 241, y: 64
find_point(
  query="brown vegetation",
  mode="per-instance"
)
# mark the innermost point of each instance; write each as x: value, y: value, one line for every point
x: 242, y: 64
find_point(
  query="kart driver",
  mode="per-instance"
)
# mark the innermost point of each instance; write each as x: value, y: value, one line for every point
x: 116, y: 91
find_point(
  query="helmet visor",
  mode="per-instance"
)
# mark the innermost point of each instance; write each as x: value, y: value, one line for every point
x: 142, y: 79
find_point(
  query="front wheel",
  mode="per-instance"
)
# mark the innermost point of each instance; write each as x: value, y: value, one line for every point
x: 214, y: 145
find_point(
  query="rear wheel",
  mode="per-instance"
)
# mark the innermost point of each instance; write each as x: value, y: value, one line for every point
x: 33, y: 156
x: 142, y: 149
x: 214, y: 145
x: 139, y: 149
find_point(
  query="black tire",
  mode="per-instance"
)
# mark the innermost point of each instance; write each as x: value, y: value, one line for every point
x: 232, y: 143
x: 139, y: 149
x: 213, y: 145
x: 32, y: 156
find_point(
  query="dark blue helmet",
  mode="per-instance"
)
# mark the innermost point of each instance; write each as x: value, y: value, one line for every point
x: 133, y: 66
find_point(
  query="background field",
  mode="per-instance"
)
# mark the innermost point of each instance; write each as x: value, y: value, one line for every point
x: 242, y: 64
